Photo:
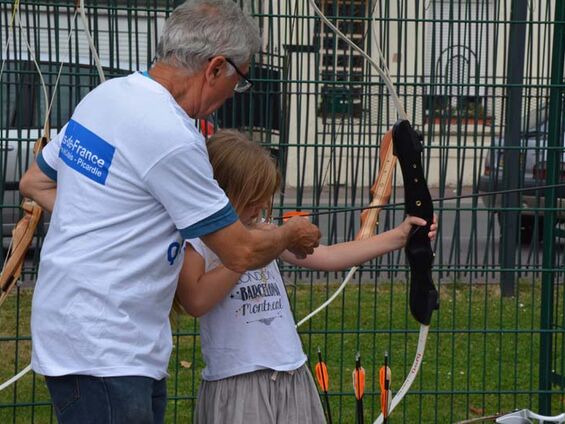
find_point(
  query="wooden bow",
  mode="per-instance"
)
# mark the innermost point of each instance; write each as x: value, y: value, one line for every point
x: 423, y: 289
x: 23, y: 232
x: 22, y: 236
x: 380, y: 192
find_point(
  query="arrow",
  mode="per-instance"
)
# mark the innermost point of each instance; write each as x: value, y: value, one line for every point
x: 384, y: 381
x: 324, y: 382
x: 359, y: 387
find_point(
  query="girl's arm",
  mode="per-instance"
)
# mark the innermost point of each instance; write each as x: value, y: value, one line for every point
x: 345, y: 255
x: 199, y: 291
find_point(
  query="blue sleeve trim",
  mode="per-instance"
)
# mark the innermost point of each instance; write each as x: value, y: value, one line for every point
x: 224, y: 217
x: 45, y: 168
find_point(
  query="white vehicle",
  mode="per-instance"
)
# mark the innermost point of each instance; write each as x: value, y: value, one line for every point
x: 532, y: 173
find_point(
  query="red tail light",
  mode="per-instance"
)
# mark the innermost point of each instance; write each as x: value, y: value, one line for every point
x: 493, y: 163
x: 539, y: 171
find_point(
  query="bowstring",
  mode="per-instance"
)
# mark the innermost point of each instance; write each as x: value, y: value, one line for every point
x: 15, y: 18
x: 15, y: 8
x: 91, y: 45
x: 385, y: 76
x: 384, y: 71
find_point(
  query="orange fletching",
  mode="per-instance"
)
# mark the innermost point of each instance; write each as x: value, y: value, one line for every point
x: 322, y: 376
x: 359, y: 382
x: 384, y: 381
x: 384, y: 378
x: 290, y: 214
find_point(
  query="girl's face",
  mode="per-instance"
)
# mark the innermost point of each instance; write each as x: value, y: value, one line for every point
x: 252, y: 212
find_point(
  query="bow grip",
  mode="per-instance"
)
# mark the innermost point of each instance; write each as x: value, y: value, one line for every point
x: 408, y: 149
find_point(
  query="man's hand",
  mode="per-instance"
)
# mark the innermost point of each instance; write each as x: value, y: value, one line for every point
x: 37, y: 186
x: 263, y: 225
x: 303, y: 236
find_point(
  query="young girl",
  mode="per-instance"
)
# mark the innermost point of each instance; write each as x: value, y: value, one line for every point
x: 255, y: 366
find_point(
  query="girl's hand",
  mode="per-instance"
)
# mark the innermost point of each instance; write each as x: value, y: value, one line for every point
x: 433, y: 229
x: 407, y: 224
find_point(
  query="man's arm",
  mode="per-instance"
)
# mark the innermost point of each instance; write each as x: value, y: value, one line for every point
x: 240, y: 248
x: 39, y: 187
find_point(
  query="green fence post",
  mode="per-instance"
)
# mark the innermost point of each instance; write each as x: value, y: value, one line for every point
x: 553, y: 158
x: 512, y: 139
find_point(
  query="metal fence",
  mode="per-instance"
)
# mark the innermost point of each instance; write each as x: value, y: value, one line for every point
x: 481, y: 79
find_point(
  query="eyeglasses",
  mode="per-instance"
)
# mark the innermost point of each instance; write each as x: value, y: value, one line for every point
x: 244, y: 83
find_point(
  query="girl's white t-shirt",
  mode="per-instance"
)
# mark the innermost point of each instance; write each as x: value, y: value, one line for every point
x: 252, y: 328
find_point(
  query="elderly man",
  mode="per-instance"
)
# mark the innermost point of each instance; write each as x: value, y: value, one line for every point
x: 127, y: 179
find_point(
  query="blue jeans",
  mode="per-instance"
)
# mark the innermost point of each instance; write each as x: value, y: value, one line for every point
x: 85, y: 399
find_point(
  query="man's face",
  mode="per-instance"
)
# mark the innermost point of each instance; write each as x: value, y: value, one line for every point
x: 225, y: 80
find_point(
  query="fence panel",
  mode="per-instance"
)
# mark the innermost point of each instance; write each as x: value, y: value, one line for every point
x: 323, y: 111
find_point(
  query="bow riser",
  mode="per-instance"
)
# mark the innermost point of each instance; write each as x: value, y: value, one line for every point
x: 408, y: 149
x: 418, y: 202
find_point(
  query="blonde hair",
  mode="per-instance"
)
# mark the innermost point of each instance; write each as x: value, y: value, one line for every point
x: 243, y: 169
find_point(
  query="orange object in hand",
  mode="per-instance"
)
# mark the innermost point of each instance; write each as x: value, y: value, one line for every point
x: 290, y: 214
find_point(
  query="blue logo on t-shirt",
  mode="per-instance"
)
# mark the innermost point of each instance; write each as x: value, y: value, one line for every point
x: 172, y: 252
x: 86, y: 152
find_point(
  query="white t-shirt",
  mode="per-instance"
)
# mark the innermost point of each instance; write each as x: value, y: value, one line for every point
x: 252, y: 328
x: 133, y: 180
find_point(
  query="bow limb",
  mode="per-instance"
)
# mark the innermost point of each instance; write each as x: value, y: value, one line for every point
x: 382, y: 71
x: 80, y: 6
x: 22, y: 236
x: 524, y: 415
x: 414, y: 369
x: 380, y: 191
x: 22, y: 233
x: 520, y: 416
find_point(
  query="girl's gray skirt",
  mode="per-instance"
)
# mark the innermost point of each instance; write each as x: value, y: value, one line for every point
x: 261, y: 397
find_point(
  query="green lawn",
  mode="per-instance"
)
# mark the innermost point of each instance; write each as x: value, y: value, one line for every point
x: 482, y: 354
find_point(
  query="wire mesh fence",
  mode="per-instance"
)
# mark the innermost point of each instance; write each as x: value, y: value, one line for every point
x: 481, y: 79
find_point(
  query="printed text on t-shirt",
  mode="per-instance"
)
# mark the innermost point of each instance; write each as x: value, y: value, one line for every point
x: 85, y: 152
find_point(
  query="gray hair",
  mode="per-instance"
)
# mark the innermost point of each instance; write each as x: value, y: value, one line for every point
x: 198, y: 30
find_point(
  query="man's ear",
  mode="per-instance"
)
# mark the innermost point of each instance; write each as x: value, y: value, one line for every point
x: 214, y: 69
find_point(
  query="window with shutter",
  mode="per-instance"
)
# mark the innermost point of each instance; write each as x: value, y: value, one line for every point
x: 340, y: 66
